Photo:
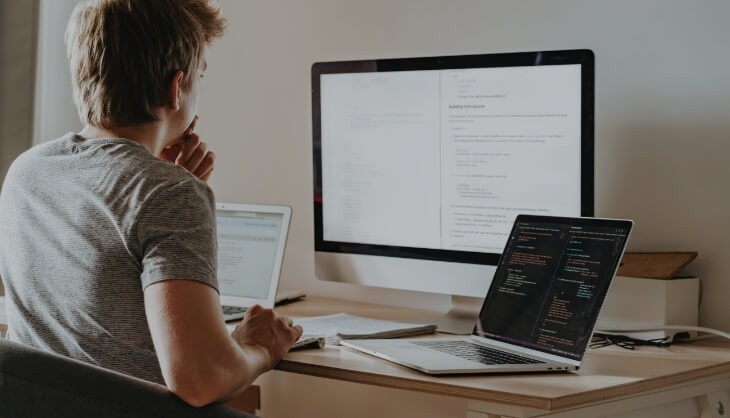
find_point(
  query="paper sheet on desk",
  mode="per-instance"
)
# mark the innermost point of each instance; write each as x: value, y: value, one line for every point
x: 346, y: 326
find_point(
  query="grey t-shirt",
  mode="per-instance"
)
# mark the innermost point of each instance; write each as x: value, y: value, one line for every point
x: 85, y: 226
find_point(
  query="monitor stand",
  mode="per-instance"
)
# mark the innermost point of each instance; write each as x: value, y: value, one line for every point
x: 461, y: 318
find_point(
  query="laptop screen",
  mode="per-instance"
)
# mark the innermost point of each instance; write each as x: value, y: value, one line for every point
x: 551, y: 281
x: 247, y: 248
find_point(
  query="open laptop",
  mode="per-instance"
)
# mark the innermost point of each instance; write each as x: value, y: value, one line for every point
x: 251, y: 242
x: 541, y: 307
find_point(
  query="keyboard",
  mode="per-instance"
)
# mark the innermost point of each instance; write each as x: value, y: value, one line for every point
x: 233, y: 312
x: 476, y: 352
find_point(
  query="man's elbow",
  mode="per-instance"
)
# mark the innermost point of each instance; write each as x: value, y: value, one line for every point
x: 195, y: 391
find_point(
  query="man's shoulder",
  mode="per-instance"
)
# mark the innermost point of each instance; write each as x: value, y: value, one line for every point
x: 28, y: 162
x: 42, y: 149
x: 153, y: 177
x: 166, y: 173
x: 113, y: 166
x: 166, y: 183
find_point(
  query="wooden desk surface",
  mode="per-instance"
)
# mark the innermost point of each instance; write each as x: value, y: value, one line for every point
x: 607, y: 373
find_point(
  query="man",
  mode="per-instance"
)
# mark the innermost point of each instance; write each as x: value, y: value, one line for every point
x: 107, y: 236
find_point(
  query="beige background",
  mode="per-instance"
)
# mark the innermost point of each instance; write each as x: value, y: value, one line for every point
x: 662, y: 131
x: 662, y: 128
x: 662, y: 106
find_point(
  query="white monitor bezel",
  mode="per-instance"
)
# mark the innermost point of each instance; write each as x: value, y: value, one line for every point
x: 449, y: 272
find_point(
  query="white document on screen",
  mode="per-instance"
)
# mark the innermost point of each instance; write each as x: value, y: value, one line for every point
x: 446, y: 159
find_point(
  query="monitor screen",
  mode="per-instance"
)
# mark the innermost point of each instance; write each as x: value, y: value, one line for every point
x: 433, y: 158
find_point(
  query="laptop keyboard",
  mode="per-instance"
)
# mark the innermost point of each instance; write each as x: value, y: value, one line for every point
x: 476, y: 352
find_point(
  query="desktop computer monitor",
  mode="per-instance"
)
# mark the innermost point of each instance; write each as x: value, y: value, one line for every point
x: 421, y: 165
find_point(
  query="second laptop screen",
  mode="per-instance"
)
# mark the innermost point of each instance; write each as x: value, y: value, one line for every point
x: 550, y: 283
x: 247, y: 246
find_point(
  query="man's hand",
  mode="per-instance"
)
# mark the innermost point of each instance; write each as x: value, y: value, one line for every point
x: 191, y: 153
x: 262, y: 329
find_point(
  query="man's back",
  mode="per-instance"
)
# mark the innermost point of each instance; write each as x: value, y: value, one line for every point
x: 107, y: 247
x: 83, y: 229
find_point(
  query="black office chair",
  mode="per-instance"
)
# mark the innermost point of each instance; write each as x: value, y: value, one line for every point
x: 34, y: 383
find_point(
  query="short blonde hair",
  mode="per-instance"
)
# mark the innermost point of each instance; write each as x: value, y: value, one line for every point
x: 124, y: 53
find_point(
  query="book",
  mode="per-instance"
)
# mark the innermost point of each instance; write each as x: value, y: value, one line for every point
x: 345, y: 326
x: 663, y: 266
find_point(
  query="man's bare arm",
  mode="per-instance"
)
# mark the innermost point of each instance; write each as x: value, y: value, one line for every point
x: 201, y: 363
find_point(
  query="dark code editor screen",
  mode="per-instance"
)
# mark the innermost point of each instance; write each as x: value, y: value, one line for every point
x: 551, y: 282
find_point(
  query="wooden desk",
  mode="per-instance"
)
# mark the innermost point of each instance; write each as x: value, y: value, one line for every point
x: 682, y: 381
x: 690, y: 380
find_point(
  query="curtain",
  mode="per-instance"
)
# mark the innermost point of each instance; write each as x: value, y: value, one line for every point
x: 18, y: 38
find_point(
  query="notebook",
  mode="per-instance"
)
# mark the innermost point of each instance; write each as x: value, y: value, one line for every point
x: 251, y: 242
x: 541, y: 308
x: 343, y: 326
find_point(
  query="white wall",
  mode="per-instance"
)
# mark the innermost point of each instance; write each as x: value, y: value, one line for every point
x: 662, y: 131
x: 662, y: 101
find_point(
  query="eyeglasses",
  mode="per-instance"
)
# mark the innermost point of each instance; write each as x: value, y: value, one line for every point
x: 604, y: 340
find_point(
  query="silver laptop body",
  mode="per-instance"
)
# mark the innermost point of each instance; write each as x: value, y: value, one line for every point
x: 541, y: 308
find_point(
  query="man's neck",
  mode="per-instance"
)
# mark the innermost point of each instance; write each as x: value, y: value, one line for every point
x: 151, y: 135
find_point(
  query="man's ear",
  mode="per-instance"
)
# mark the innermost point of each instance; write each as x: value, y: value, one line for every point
x: 174, y: 93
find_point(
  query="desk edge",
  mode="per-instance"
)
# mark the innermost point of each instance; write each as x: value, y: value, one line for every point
x: 436, y: 388
x: 543, y: 403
